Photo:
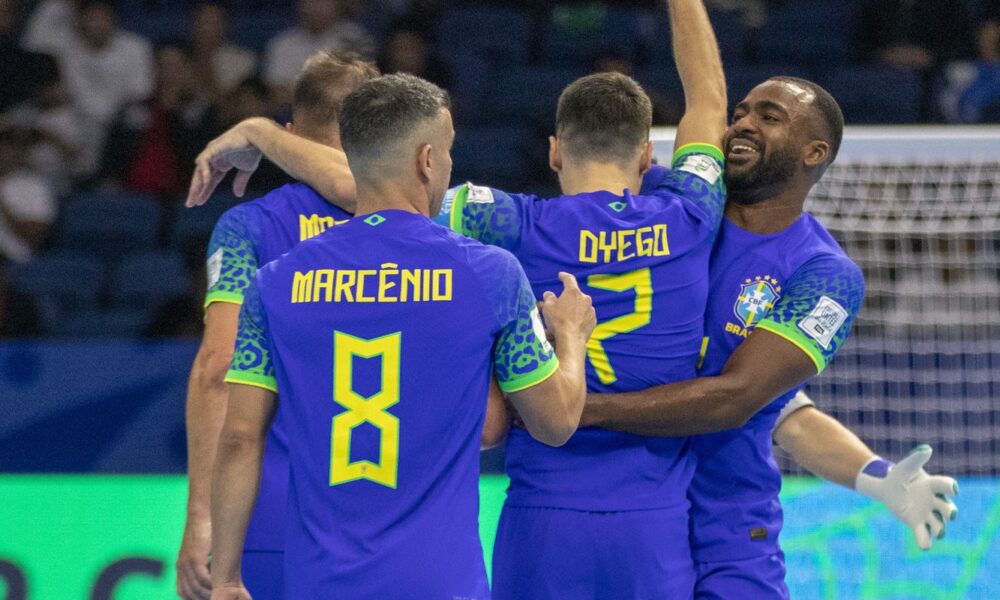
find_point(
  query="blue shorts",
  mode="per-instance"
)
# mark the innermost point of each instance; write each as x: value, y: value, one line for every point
x: 263, y: 574
x: 549, y: 553
x: 761, y: 578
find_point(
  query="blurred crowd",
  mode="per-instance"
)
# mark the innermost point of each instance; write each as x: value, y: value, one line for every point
x: 113, y: 101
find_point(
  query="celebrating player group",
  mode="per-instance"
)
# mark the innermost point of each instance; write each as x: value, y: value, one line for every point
x: 639, y: 342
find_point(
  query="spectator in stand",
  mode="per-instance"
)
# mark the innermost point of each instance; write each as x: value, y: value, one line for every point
x: 971, y: 91
x: 406, y: 50
x: 27, y: 207
x: 220, y: 65
x: 322, y: 26
x: 17, y: 69
x: 55, y: 135
x: 104, y: 68
x: 152, y: 144
x: 916, y: 35
x: 988, y: 35
x: 51, y: 25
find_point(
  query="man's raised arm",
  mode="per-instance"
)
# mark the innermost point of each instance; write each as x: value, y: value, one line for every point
x: 699, y: 65
x: 241, y: 147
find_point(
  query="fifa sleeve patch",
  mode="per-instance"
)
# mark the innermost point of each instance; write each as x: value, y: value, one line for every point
x: 703, y: 166
x: 479, y: 195
x: 823, y: 322
x: 539, y: 329
x: 214, y: 268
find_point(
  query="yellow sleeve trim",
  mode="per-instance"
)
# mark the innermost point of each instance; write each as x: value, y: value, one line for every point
x: 780, y: 331
x: 699, y: 148
x: 220, y: 296
x: 244, y: 378
x: 528, y: 380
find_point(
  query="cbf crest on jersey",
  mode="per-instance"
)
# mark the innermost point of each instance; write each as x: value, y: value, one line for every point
x: 756, y: 299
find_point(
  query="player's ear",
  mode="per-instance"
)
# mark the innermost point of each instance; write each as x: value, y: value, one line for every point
x: 425, y: 164
x: 290, y: 127
x: 817, y: 152
x: 646, y: 160
x: 555, y: 154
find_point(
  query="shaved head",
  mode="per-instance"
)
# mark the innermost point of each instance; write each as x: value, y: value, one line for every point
x: 827, y: 120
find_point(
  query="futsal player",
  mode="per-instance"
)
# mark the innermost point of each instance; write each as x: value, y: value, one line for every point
x: 245, y: 238
x: 380, y: 336
x: 784, y: 297
x: 645, y: 260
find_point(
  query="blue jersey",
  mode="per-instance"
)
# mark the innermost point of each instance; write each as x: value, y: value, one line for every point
x: 380, y: 337
x: 644, y: 260
x: 797, y: 284
x: 247, y: 237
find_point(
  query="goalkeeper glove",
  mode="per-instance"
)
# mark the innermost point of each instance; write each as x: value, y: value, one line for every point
x: 917, y: 499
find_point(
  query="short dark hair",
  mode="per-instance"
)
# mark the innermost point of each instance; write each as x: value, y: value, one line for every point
x: 385, y: 111
x: 826, y: 108
x: 325, y: 80
x: 603, y: 117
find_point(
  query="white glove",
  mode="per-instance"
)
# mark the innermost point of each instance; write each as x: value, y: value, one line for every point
x: 917, y: 499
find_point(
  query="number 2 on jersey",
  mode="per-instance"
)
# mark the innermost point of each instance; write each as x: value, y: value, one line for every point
x: 641, y: 282
x: 373, y: 409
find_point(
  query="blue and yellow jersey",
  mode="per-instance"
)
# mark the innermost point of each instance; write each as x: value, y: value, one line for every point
x: 247, y: 237
x: 644, y: 260
x: 797, y: 284
x: 380, y: 337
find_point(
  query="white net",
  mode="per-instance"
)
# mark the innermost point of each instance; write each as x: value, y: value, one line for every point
x: 919, y: 211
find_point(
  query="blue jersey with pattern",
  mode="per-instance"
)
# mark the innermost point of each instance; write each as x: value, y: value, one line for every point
x: 247, y: 237
x: 379, y: 337
x: 644, y: 261
x: 798, y: 284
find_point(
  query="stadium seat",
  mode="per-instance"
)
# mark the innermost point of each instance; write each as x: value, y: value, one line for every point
x: 255, y: 27
x: 528, y: 93
x: 494, y: 156
x: 814, y: 33
x: 870, y: 95
x: 196, y: 224
x: 663, y: 80
x: 578, y: 35
x: 470, y: 83
x: 730, y: 34
x: 111, y: 324
x: 108, y: 224
x: 499, y: 34
x: 149, y: 278
x: 156, y: 21
x: 60, y: 282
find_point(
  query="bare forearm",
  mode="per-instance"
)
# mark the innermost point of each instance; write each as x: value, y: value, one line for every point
x: 823, y: 446
x: 571, y: 352
x: 204, y: 414
x: 551, y: 410
x: 703, y: 405
x: 696, y: 52
x: 322, y: 167
x: 235, y: 483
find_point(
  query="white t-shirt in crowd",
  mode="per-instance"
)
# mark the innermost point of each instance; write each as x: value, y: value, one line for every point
x: 287, y: 51
x: 26, y: 197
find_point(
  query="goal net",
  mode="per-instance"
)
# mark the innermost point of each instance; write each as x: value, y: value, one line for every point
x: 919, y: 210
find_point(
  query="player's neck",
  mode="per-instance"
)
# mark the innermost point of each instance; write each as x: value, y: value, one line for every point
x: 594, y: 177
x: 391, y: 195
x: 771, y: 215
